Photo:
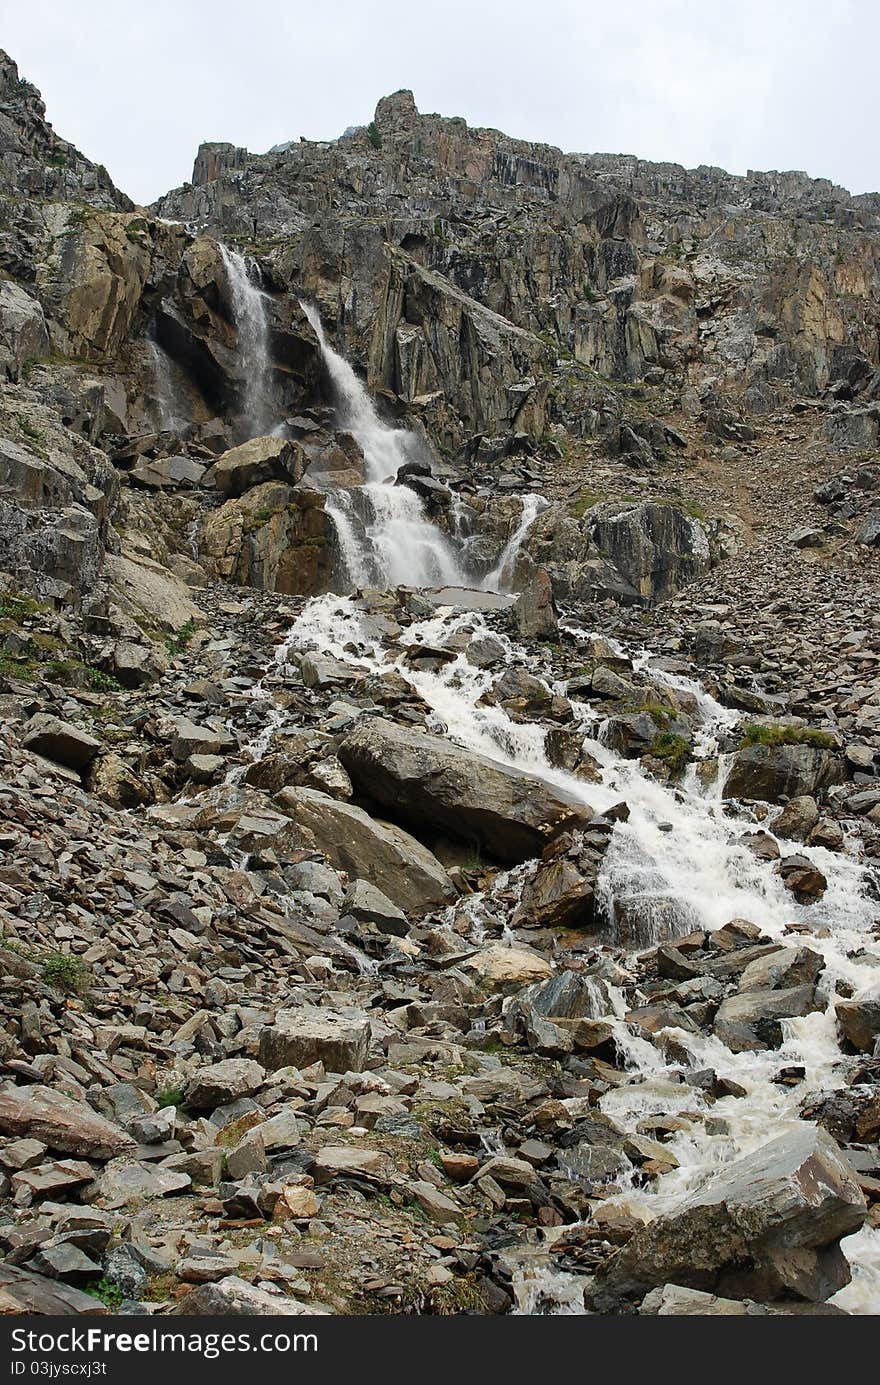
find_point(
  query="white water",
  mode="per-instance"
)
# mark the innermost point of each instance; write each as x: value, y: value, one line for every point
x: 170, y: 405
x: 676, y: 864
x: 501, y: 576
x: 249, y: 311
x: 384, y: 536
x: 697, y: 874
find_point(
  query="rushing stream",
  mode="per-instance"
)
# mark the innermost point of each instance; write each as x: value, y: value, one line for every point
x: 676, y: 864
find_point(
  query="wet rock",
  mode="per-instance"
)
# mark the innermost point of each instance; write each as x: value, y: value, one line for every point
x: 534, y: 611
x: 61, y: 1123
x: 767, y: 1227
x: 797, y: 819
x: 771, y: 773
x: 803, y: 878
x: 859, y: 1020
x: 340, y: 1039
x: 438, y: 784
x: 751, y: 1018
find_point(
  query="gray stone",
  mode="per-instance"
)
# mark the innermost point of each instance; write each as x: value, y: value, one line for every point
x: 432, y: 781
x: 58, y: 740
x: 222, y: 1082
x: 768, y: 1226
x: 340, y: 1039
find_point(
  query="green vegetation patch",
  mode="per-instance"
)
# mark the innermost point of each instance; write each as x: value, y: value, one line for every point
x: 778, y: 733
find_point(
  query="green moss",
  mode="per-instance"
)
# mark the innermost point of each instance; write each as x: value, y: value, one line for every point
x: 778, y: 733
x: 30, y: 432
x: 17, y: 606
x: 673, y: 750
x: 659, y: 712
x: 585, y: 501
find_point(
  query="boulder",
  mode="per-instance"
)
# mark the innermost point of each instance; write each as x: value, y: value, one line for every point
x: 234, y: 1297
x: 534, y: 611
x: 509, y: 814
x: 60, y: 741
x: 500, y: 965
x: 751, y: 1019
x: 773, y: 772
x: 223, y: 1082
x: 797, y: 819
x: 859, y: 1020
x: 368, y: 904
x: 254, y: 462
x: 804, y: 879
x: 24, y: 1292
x: 340, y: 1161
x: 61, y: 1123
x: 767, y: 1227
x: 377, y: 852
x: 340, y: 1039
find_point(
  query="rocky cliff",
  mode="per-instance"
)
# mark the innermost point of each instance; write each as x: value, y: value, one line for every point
x: 440, y: 724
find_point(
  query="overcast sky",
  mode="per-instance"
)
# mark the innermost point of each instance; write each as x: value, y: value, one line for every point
x: 764, y: 84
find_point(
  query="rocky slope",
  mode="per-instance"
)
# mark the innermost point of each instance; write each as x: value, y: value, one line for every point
x: 440, y: 720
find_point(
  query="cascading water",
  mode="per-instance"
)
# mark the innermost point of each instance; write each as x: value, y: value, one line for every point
x: 678, y: 862
x: 384, y: 536
x: 169, y: 404
x: 249, y: 311
x: 501, y: 576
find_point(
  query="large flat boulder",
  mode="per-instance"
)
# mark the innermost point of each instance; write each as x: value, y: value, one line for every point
x: 772, y: 773
x: 254, y: 462
x: 60, y: 1122
x: 340, y: 1039
x: 447, y: 789
x: 384, y: 855
x: 60, y: 741
x: 767, y: 1227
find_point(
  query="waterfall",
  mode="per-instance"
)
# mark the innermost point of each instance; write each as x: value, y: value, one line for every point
x: 249, y: 311
x: 171, y: 411
x: 384, y: 536
x: 501, y: 576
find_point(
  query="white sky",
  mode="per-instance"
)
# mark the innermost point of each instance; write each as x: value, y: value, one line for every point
x: 764, y: 84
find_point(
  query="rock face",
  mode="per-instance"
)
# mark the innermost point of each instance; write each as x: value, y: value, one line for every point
x: 433, y: 782
x: 768, y: 1227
